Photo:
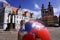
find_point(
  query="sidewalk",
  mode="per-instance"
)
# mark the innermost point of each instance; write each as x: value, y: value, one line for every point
x: 54, y: 33
x: 8, y: 35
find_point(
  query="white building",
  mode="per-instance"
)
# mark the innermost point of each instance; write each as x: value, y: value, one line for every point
x: 15, y: 18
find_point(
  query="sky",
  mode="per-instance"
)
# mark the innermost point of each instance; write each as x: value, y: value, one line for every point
x: 34, y: 5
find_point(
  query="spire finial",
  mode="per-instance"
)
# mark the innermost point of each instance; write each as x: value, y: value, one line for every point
x: 42, y: 5
x: 49, y: 3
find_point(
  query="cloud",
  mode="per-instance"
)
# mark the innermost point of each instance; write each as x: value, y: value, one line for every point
x: 37, y: 14
x: 4, y: 1
x: 1, y: 0
x: 57, y: 10
x: 36, y: 6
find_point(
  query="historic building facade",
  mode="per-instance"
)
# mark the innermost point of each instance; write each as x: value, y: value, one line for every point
x: 1, y: 15
x: 48, y: 15
x: 48, y: 11
x: 15, y: 17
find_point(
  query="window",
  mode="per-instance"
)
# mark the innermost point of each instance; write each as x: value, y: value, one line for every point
x: 50, y: 10
x: 17, y: 21
x: 17, y: 16
x: 43, y: 12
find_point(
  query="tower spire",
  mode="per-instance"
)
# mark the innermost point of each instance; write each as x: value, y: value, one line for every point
x: 49, y: 4
x: 42, y: 6
x: 19, y: 7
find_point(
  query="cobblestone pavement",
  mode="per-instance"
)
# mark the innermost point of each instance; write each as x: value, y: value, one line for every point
x: 8, y: 35
x: 54, y: 33
x: 12, y: 35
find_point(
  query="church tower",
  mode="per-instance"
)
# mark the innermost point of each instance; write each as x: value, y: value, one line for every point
x: 42, y: 10
x: 50, y: 9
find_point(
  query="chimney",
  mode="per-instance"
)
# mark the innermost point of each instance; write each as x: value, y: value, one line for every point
x: 31, y: 15
x: 24, y: 13
x: 15, y: 10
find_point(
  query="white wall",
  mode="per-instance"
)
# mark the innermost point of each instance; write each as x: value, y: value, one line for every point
x: 17, y: 19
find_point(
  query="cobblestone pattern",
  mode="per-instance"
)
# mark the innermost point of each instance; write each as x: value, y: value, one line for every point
x: 12, y: 35
x: 54, y: 33
x: 8, y: 35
